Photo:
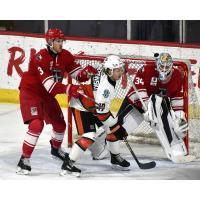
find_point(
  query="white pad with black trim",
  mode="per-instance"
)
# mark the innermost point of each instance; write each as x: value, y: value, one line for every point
x: 172, y: 144
x: 130, y: 118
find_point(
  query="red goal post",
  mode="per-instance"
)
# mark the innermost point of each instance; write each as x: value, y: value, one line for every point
x: 133, y: 63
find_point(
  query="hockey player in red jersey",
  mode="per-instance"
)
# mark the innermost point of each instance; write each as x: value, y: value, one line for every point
x: 160, y: 88
x: 161, y: 79
x: 38, y: 88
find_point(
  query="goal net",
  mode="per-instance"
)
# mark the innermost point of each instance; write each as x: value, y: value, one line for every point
x: 144, y: 133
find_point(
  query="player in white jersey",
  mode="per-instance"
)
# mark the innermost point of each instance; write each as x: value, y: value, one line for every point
x: 85, y: 119
x: 114, y: 69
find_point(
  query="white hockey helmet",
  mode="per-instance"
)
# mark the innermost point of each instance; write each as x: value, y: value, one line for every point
x: 112, y: 62
x: 164, y: 65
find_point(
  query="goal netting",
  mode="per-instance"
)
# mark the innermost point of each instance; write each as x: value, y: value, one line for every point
x: 144, y: 133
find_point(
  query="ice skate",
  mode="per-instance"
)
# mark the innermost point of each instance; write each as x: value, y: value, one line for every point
x: 23, y: 167
x: 119, y: 163
x: 68, y: 167
x: 58, y: 154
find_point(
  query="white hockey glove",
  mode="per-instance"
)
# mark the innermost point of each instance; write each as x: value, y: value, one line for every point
x: 180, y: 124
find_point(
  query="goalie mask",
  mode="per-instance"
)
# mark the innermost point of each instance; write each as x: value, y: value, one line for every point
x: 164, y: 65
x: 112, y: 62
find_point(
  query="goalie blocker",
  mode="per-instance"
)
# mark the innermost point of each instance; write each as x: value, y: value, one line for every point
x: 164, y: 123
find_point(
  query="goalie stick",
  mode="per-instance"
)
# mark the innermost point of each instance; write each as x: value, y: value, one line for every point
x: 148, y: 165
x: 136, y: 91
x: 151, y: 164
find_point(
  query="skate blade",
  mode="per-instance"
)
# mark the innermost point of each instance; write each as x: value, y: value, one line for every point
x: 184, y: 159
x: 65, y: 172
x: 117, y: 167
x: 21, y: 171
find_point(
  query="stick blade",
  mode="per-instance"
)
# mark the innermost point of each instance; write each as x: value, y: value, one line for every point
x: 149, y: 165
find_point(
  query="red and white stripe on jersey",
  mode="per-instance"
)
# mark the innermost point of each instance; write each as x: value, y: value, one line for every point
x: 31, y: 139
x: 75, y: 72
x: 49, y: 83
x: 133, y: 96
x: 177, y: 103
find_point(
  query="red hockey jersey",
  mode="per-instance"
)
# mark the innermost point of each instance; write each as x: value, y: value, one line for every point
x: 46, y: 71
x: 147, y: 82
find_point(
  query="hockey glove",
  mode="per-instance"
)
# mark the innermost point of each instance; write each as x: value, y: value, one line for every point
x: 119, y: 131
x: 149, y: 115
x: 74, y: 90
x: 180, y: 124
x: 86, y: 73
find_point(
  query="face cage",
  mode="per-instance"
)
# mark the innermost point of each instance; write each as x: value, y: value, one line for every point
x: 164, y: 75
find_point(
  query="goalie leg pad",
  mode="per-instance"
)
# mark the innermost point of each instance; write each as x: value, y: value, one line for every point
x: 173, y: 146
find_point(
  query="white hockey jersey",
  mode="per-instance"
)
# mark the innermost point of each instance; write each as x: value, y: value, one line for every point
x: 104, y: 95
x: 103, y: 89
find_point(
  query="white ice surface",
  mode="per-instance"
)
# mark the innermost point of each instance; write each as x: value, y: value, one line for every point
x: 12, y: 131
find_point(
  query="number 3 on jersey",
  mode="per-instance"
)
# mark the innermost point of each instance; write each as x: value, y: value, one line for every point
x: 138, y: 81
x: 40, y: 70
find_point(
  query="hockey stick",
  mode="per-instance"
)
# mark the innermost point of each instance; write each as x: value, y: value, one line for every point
x: 149, y: 165
x: 135, y: 89
x: 97, y: 106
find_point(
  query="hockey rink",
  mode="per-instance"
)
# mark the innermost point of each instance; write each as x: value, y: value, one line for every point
x: 12, y: 131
